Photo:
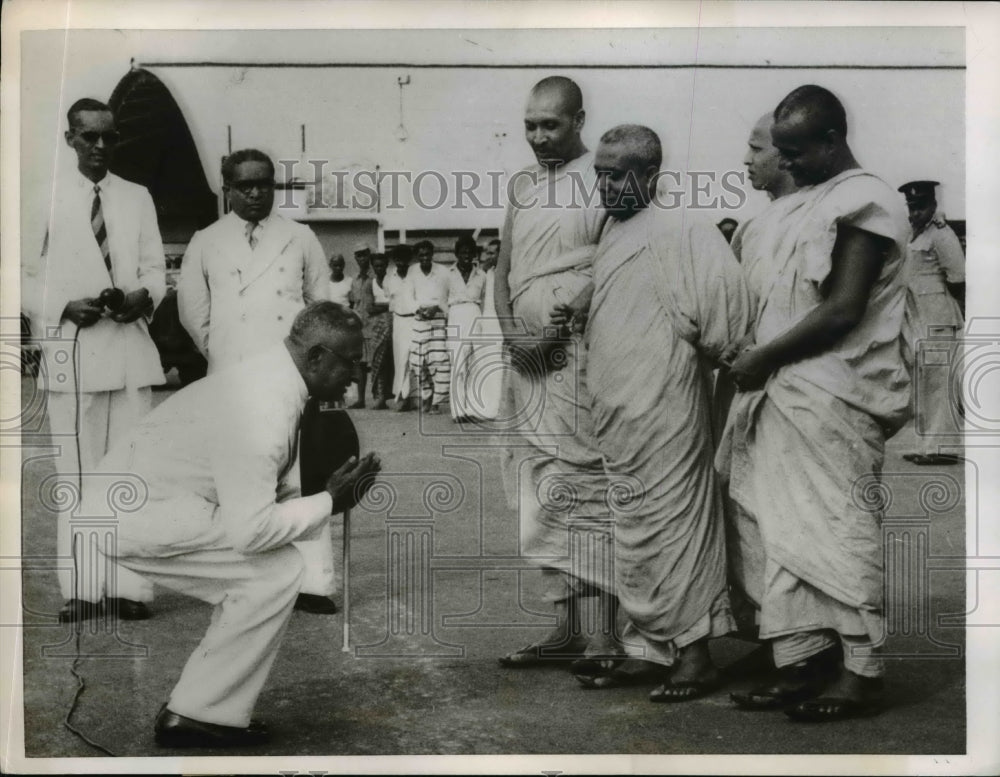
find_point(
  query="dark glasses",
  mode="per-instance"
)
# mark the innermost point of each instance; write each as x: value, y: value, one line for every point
x: 246, y: 187
x: 90, y: 137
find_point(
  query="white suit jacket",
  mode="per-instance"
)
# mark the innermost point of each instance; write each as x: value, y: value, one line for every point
x: 213, y: 457
x: 109, y: 356
x: 236, y: 302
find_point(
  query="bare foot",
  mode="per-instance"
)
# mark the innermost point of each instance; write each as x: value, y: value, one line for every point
x: 694, y: 675
x: 848, y: 696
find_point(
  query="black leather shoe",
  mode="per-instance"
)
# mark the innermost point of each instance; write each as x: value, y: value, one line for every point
x: 316, y: 604
x: 173, y: 730
x: 76, y: 610
x: 127, y: 610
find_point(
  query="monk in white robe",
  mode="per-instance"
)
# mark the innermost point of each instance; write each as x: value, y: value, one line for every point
x: 545, y: 259
x: 669, y: 299
x: 822, y: 388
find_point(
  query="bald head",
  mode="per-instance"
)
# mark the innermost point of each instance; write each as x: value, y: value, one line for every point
x: 815, y: 109
x: 763, y: 161
x: 565, y: 90
x: 553, y: 119
x: 810, y: 133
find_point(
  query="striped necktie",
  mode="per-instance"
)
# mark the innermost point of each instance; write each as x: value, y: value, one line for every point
x: 253, y: 233
x: 100, y: 230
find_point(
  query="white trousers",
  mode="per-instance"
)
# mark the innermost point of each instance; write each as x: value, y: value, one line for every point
x: 317, y: 551
x: 103, y: 417
x: 402, y: 340
x: 253, y: 596
x: 461, y: 319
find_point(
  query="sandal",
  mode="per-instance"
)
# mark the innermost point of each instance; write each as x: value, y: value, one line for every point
x: 793, y: 683
x: 824, y: 709
x: 686, y: 690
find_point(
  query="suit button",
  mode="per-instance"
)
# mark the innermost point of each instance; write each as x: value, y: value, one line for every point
x: 281, y: 318
x: 279, y: 292
x: 243, y: 317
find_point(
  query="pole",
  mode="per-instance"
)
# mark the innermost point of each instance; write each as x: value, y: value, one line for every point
x: 346, y: 648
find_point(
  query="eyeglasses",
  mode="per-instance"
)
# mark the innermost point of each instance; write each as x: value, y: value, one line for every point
x: 246, y: 187
x: 355, y: 363
x: 90, y: 137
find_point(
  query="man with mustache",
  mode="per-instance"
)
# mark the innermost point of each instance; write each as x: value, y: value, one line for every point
x: 217, y: 523
x: 243, y: 280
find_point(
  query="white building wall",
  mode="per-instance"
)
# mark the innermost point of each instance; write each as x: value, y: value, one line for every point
x: 904, y: 124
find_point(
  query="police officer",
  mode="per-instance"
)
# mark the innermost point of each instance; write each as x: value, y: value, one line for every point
x: 935, y: 278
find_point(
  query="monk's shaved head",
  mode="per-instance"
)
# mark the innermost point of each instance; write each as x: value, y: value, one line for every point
x: 553, y: 119
x: 762, y: 129
x: 642, y: 145
x: 763, y: 161
x: 815, y: 109
x: 565, y: 89
x: 810, y: 134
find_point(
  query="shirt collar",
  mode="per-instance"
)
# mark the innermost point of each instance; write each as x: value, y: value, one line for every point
x: 85, y: 183
x: 263, y: 222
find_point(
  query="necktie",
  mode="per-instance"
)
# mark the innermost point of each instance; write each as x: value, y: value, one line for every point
x: 100, y: 230
x: 253, y: 232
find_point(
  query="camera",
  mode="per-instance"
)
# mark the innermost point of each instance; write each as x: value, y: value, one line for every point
x: 113, y: 299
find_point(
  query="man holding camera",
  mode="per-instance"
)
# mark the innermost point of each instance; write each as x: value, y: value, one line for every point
x: 90, y: 296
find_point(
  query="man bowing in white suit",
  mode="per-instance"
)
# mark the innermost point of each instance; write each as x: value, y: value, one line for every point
x: 99, y: 362
x: 243, y: 280
x: 212, y: 525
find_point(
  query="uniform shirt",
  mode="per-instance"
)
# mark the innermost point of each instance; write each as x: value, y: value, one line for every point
x: 934, y: 255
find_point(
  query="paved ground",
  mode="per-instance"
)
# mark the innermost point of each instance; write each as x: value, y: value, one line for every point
x: 423, y: 678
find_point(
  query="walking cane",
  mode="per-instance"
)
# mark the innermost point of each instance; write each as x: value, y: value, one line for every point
x: 346, y: 648
x: 327, y: 439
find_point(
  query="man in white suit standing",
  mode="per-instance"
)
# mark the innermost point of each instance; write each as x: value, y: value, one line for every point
x: 242, y: 282
x: 212, y: 525
x: 99, y: 362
